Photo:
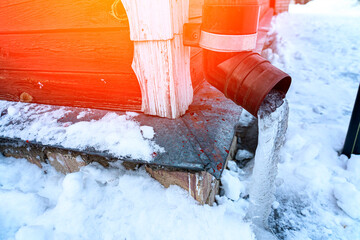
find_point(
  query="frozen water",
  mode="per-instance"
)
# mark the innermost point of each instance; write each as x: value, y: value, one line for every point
x: 272, y: 120
x: 271, y: 102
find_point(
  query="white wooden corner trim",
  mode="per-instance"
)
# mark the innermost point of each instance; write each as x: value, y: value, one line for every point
x: 149, y: 19
x: 161, y: 62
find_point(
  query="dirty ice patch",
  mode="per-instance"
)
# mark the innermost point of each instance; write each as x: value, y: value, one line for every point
x: 119, y: 135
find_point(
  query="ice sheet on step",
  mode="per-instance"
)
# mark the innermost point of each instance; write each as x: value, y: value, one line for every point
x: 119, y: 135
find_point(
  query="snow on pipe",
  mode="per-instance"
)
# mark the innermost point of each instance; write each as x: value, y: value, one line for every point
x: 229, y: 63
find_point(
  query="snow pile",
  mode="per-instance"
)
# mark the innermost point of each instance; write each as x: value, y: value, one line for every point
x: 318, y: 45
x: 347, y: 189
x: 329, y: 7
x: 99, y: 203
x: 246, y: 118
x: 243, y: 154
x: 348, y: 198
x: 147, y: 132
x: 231, y: 184
x: 119, y: 135
x: 317, y: 192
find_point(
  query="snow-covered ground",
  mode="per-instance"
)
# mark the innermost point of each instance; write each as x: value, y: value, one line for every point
x: 317, y: 191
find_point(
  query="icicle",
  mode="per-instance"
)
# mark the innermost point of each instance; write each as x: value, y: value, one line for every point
x: 272, y: 121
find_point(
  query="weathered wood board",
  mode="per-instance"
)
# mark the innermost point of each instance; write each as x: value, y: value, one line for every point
x: 202, y: 186
x: 73, y: 53
x: 197, y: 77
x: 91, y: 90
x: 92, y: 52
x: 195, y: 9
x: 54, y: 15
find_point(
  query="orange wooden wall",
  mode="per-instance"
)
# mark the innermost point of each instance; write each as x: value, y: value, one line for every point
x: 67, y: 52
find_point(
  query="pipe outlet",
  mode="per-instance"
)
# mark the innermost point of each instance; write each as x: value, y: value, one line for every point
x: 244, y: 77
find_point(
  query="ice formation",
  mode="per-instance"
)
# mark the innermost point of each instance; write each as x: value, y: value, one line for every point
x: 272, y: 121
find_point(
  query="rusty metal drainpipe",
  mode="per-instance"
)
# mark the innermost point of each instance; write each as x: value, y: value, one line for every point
x: 228, y: 35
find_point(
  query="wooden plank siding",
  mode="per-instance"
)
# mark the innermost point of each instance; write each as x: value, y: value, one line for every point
x: 71, y: 53
x: 195, y: 11
x: 45, y: 15
x: 48, y: 48
x: 90, y: 90
x: 99, y: 51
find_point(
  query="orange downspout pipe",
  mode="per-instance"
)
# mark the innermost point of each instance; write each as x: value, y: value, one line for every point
x: 228, y: 36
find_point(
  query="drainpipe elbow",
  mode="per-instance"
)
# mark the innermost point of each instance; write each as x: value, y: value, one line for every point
x: 244, y: 77
x: 228, y: 36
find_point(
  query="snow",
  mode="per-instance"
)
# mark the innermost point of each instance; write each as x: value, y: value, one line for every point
x: 79, y: 159
x: 275, y: 205
x: 119, y: 135
x: 318, y: 45
x: 348, y: 198
x: 81, y: 115
x: 99, y: 203
x: 243, y: 154
x: 347, y: 188
x: 353, y: 165
x: 231, y: 184
x: 232, y: 166
x: 316, y: 190
x: 147, y: 132
x: 246, y: 118
x: 11, y: 111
